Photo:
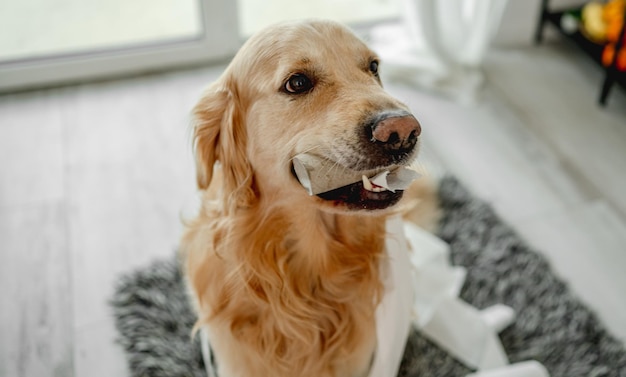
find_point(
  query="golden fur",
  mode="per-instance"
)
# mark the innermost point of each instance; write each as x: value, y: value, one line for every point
x: 286, y: 283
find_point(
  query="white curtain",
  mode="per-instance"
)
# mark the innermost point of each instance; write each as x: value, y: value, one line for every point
x: 441, y: 44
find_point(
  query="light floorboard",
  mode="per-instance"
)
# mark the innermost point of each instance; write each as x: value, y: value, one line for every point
x: 36, y: 322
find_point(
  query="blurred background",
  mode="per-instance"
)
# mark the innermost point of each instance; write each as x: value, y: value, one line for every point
x: 96, y: 169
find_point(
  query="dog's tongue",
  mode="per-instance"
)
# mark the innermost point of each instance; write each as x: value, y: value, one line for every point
x: 318, y: 175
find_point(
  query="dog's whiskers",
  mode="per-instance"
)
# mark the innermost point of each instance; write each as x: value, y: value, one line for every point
x: 334, y: 166
x: 420, y: 167
x: 312, y: 148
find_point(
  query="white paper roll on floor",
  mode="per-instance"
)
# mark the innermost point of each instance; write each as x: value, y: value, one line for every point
x: 498, y: 316
x: 524, y: 369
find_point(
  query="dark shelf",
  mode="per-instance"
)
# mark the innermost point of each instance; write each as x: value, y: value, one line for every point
x: 592, y: 49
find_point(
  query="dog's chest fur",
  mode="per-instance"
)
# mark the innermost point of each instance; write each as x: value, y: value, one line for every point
x: 293, y: 306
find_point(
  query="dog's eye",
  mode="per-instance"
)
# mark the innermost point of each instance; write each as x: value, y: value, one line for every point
x: 374, y: 67
x: 298, y: 83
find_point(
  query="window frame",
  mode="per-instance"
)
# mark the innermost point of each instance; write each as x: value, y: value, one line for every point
x: 218, y: 40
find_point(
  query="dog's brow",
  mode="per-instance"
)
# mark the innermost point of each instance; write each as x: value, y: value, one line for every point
x: 305, y: 65
x: 302, y: 63
x: 371, y: 57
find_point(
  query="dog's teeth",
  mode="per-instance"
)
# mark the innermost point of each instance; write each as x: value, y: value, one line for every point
x: 367, y: 184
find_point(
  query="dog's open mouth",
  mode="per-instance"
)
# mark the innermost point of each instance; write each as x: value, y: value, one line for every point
x: 372, y: 189
x: 363, y: 195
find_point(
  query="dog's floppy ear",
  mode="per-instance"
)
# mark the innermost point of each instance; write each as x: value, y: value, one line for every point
x: 220, y: 135
x: 207, y: 121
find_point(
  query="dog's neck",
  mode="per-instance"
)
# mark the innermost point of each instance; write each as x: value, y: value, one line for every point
x: 316, y: 237
x: 319, y: 234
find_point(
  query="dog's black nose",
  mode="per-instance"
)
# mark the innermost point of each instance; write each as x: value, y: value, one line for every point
x: 396, y: 131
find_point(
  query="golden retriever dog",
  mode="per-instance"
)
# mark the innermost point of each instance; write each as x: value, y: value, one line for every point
x: 286, y: 283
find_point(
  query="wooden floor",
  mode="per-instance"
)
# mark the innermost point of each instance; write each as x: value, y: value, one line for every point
x: 95, y: 178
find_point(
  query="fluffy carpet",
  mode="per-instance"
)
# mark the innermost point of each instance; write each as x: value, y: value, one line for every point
x: 154, y: 319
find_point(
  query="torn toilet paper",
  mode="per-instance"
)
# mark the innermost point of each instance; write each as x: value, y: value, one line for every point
x: 421, y: 290
x: 318, y: 175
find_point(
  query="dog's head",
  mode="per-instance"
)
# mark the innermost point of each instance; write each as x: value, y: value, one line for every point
x: 309, y: 87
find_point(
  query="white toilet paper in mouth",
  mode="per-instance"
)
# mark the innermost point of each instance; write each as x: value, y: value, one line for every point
x: 398, y: 179
x: 318, y: 175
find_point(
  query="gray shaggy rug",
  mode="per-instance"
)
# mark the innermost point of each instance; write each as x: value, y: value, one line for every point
x: 154, y: 319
